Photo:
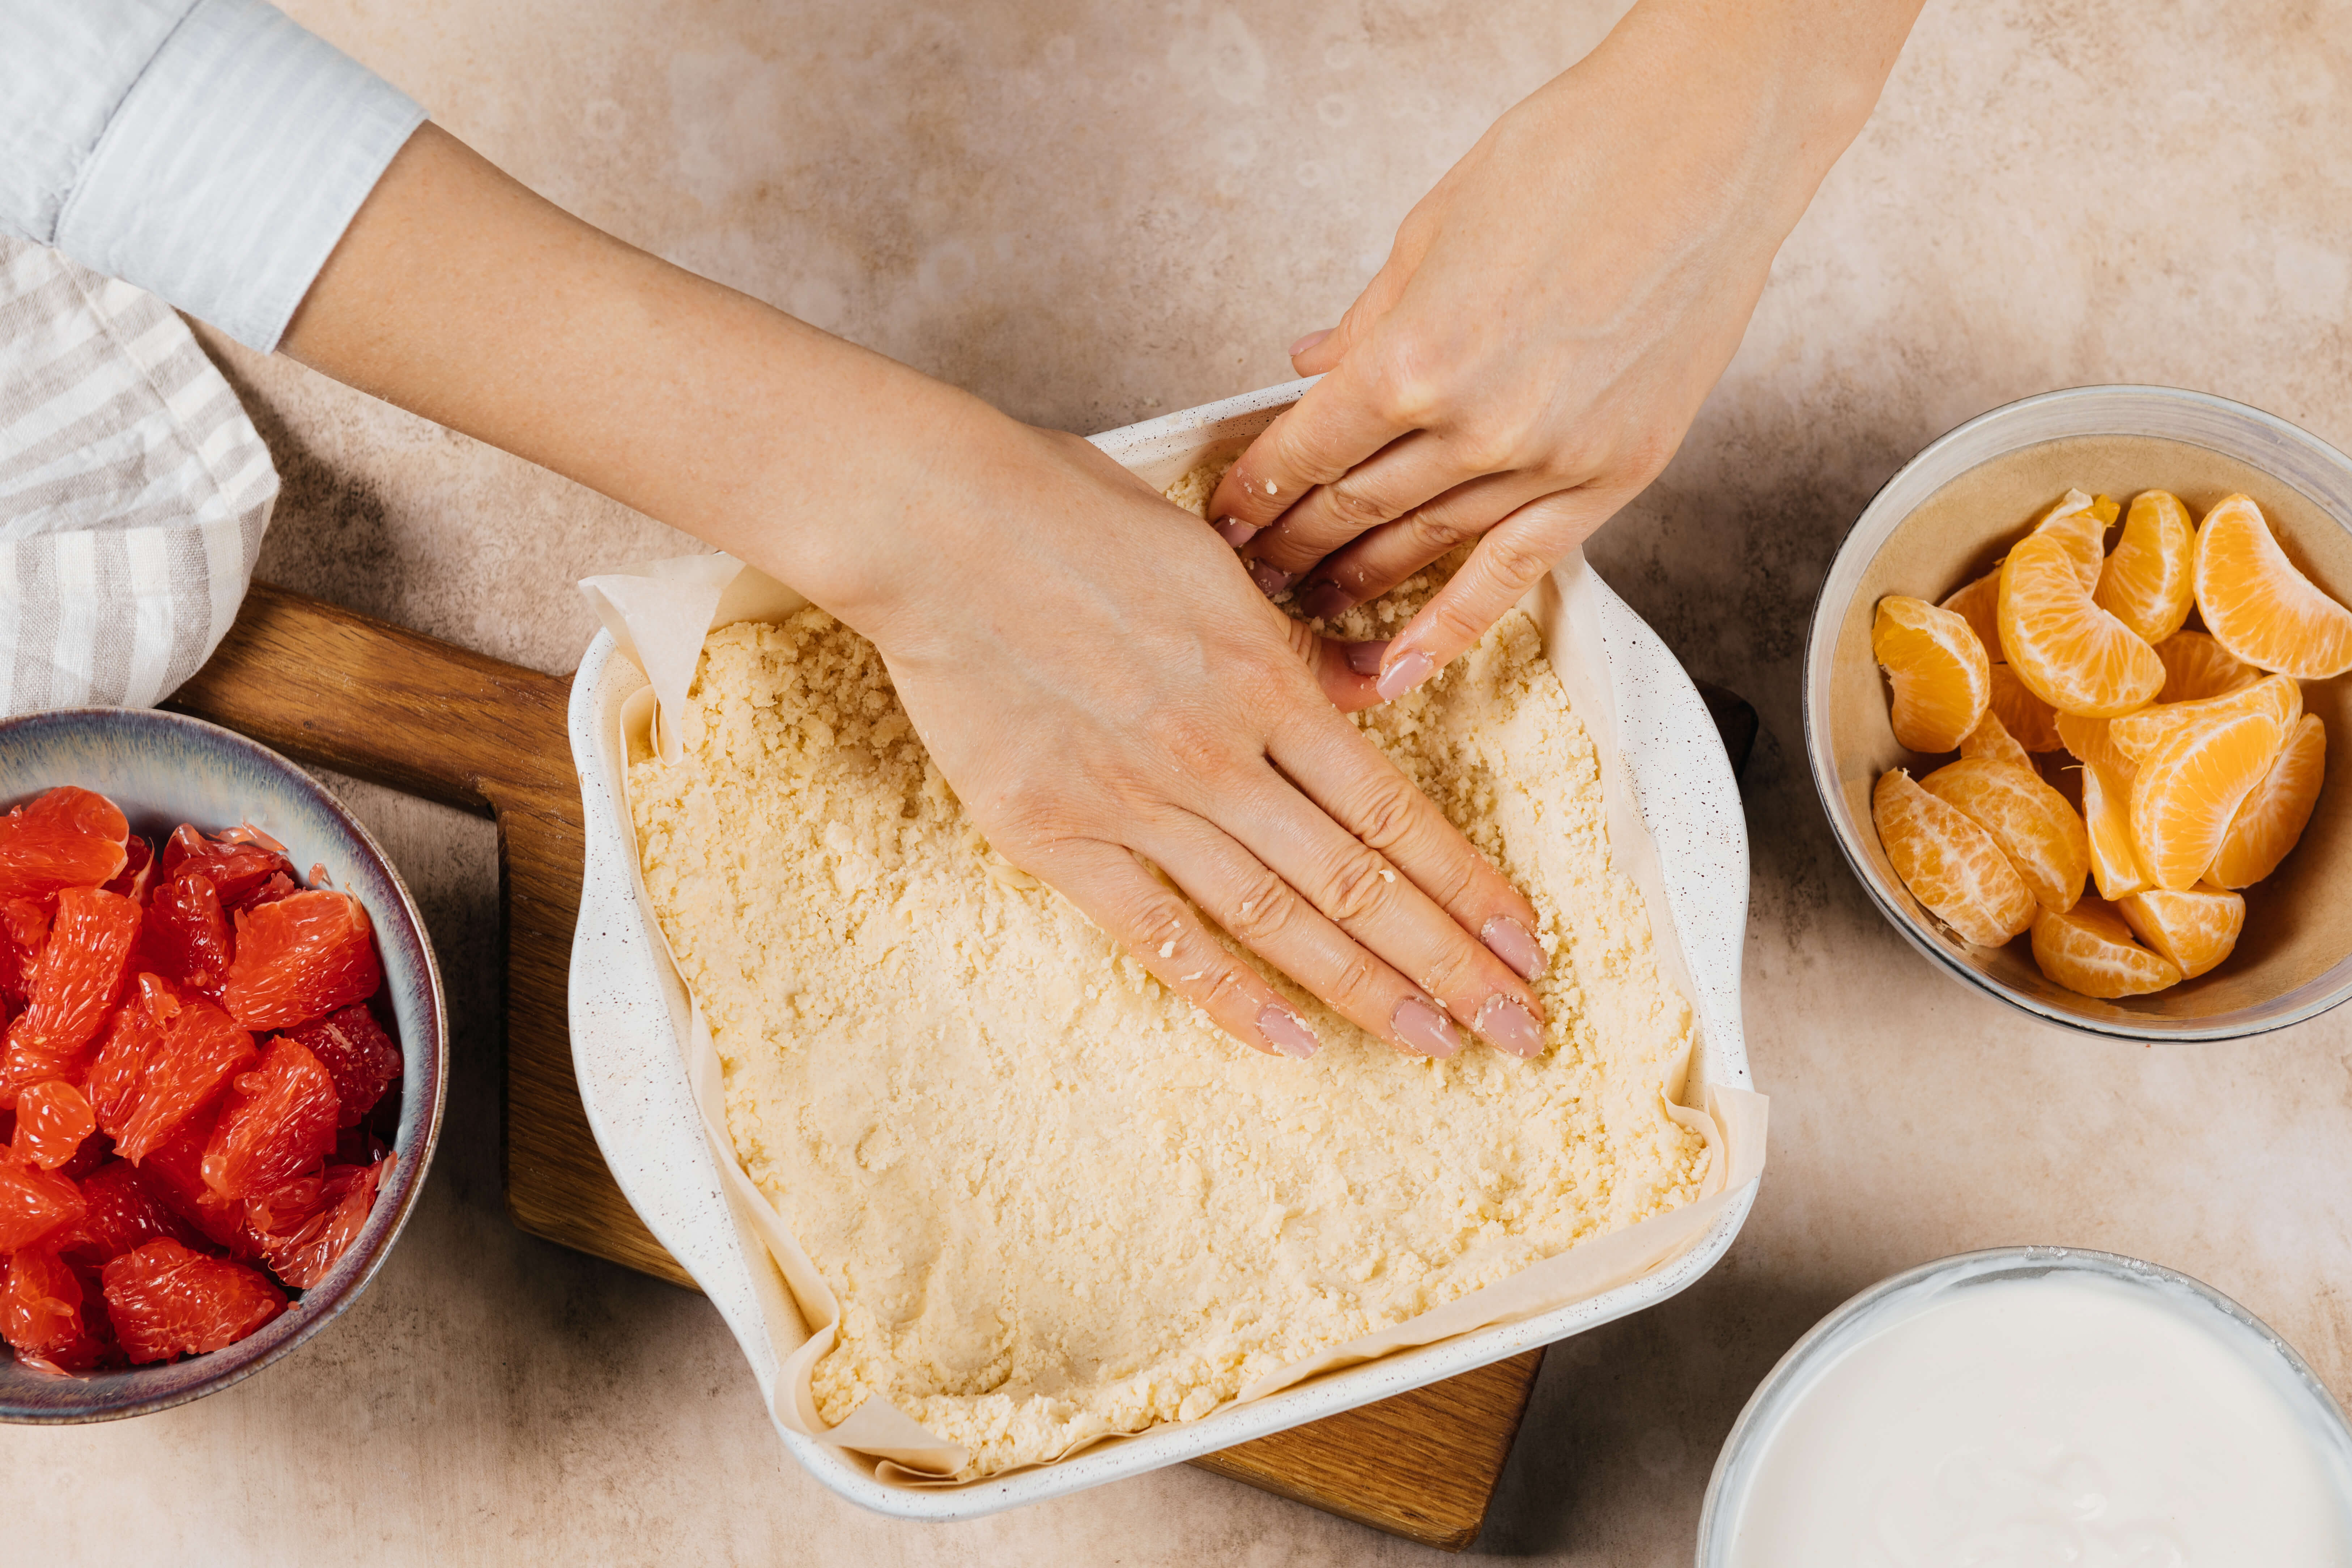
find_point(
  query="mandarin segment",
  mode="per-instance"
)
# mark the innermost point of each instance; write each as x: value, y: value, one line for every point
x: 2273, y: 816
x: 2115, y: 865
x: 2196, y: 666
x: 2090, y: 950
x: 2185, y: 793
x: 2141, y: 735
x: 1979, y: 604
x: 1940, y: 677
x: 1992, y: 741
x: 2070, y: 653
x: 1950, y: 865
x: 2031, y: 721
x: 2196, y: 927
x: 2044, y: 840
x: 2148, y: 583
x: 2258, y: 605
x: 2079, y: 522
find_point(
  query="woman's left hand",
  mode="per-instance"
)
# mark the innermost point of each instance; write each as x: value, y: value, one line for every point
x: 1552, y: 315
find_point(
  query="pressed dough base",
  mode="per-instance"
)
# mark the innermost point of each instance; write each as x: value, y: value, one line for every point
x: 1056, y: 1202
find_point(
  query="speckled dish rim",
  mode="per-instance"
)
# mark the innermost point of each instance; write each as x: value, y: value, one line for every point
x: 2288, y: 453
x: 1858, y: 1319
x: 627, y: 1013
x: 409, y: 964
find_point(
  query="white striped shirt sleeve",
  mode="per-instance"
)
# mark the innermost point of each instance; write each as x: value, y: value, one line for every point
x: 209, y: 151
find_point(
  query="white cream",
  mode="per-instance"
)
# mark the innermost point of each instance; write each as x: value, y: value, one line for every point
x: 2065, y: 1419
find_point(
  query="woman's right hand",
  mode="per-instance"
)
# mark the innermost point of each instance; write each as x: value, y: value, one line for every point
x: 1093, y: 671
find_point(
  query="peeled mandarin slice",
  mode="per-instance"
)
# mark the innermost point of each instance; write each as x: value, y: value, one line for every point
x: 2186, y: 792
x: 1949, y: 864
x: 2089, y: 740
x: 1979, y: 605
x: 2044, y: 840
x: 2090, y: 950
x: 2196, y: 666
x: 2273, y: 813
x: 1941, y: 677
x: 2070, y: 653
x: 2258, y: 606
x: 2140, y: 734
x: 2195, y: 927
x: 2032, y: 722
x: 2146, y: 584
x: 2115, y: 865
x: 1991, y: 740
x: 2080, y: 523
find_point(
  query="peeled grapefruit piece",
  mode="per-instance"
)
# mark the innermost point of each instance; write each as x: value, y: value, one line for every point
x: 167, y: 1301
x: 236, y: 863
x: 1950, y: 865
x: 2032, y: 822
x: 2089, y: 950
x: 24, y: 932
x: 2258, y: 606
x: 2070, y: 653
x: 358, y: 1055
x: 279, y: 1120
x: 112, y: 1086
x: 2273, y: 816
x: 305, y: 1226
x: 1979, y: 605
x: 2146, y: 584
x: 79, y: 981
x: 2194, y: 927
x: 43, y: 1314
x: 34, y: 1203
x: 67, y: 838
x: 137, y: 870
x: 1938, y: 671
x: 52, y: 1120
x: 2186, y: 792
x: 299, y: 958
x: 122, y: 1213
x: 2196, y: 666
x: 2032, y: 722
x: 187, y: 933
x: 173, y: 1176
x: 200, y: 1049
x: 2141, y: 734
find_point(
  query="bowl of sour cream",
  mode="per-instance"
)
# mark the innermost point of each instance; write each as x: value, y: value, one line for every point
x: 2031, y: 1405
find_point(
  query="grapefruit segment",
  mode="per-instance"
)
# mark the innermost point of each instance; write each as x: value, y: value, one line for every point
x: 1950, y: 865
x: 200, y: 1049
x: 2196, y: 666
x: 278, y: 1122
x: 33, y: 1203
x: 121, y: 1215
x: 2090, y: 950
x: 75, y: 989
x: 67, y: 838
x: 2273, y: 816
x: 2070, y: 653
x: 2258, y: 605
x: 2195, y: 927
x: 1938, y: 671
x: 166, y: 1302
x: 52, y: 1120
x: 302, y: 957
x: 2187, y: 791
x: 2035, y: 828
x: 357, y: 1054
x: 2147, y: 583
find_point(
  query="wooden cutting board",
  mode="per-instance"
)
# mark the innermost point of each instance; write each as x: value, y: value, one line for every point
x: 333, y: 689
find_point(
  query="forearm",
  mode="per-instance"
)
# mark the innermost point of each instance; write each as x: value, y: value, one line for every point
x: 460, y: 294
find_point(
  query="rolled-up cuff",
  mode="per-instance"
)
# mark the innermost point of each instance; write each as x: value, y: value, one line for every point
x: 233, y: 167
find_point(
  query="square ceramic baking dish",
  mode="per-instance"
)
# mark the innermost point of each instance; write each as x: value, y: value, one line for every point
x: 629, y: 1018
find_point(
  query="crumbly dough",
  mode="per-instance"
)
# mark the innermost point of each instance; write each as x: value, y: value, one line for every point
x: 1055, y: 1201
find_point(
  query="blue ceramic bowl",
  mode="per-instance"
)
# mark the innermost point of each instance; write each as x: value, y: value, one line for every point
x: 163, y: 769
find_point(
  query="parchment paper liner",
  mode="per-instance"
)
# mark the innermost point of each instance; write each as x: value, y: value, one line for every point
x: 659, y: 614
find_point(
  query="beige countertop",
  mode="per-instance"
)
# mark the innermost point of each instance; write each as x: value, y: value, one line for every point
x: 1091, y: 213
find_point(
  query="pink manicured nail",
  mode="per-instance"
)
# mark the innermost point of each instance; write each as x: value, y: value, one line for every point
x: 1424, y: 1027
x: 1323, y: 598
x: 1235, y: 532
x: 1514, y: 945
x: 1511, y: 1025
x: 1364, y: 658
x: 1287, y: 1031
x: 1405, y: 673
x: 1309, y: 341
x: 1269, y: 582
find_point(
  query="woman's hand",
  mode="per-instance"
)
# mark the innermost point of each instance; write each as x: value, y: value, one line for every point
x: 1553, y: 313
x: 1088, y: 663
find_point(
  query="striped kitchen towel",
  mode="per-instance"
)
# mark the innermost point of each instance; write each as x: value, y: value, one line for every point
x: 133, y: 491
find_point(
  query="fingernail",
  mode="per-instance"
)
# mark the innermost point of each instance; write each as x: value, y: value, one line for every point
x: 1287, y: 1031
x: 1405, y: 673
x: 1424, y: 1027
x: 1269, y: 582
x: 1364, y: 658
x: 1323, y: 598
x: 1514, y: 945
x: 1309, y: 341
x: 1511, y: 1025
x: 1235, y: 532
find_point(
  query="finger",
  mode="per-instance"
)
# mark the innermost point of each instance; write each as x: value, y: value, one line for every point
x: 1344, y: 774
x: 1511, y: 559
x: 1167, y: 936
x: 1305, y: 357
x: 1392, y: 482
x: 1336, y: 425
x: 1367, y: 566
x: 1347, y: 671
x: 1267, y: 915
x: 1361, y: 890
